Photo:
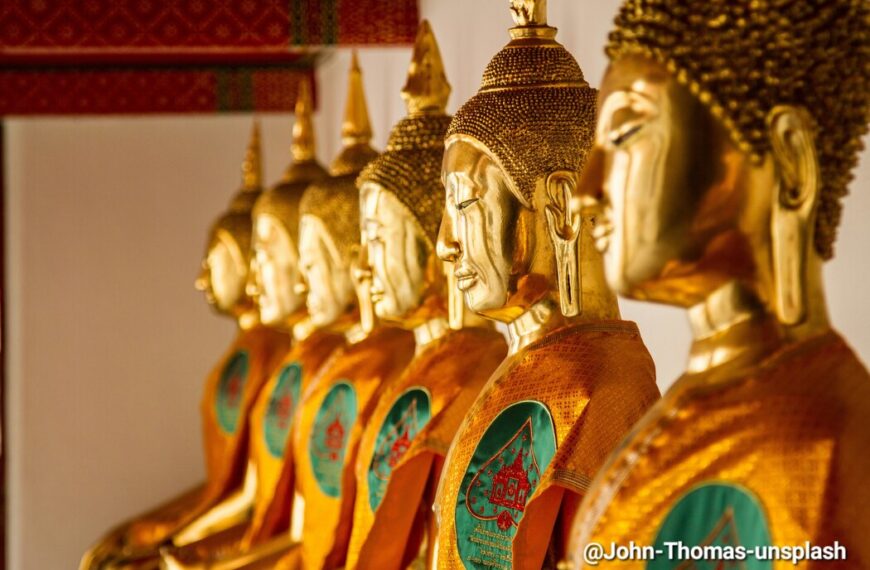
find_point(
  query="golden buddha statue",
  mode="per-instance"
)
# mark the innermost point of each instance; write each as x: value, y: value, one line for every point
x: 727, y: 133
x: 403, y: 445
x: 275, y: 285
x: 230, y: 389
x: 576, y: 378
x: 338, y: 405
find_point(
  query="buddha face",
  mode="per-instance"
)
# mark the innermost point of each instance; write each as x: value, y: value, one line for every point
x: 326, y: 274
x: 274, y: 271
x: 478, y: 231
x: 674, y: 188
x: 224, y: 272
x: 397, y: 253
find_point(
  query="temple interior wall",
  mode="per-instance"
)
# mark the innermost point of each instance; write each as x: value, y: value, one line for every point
x: 108, y: 342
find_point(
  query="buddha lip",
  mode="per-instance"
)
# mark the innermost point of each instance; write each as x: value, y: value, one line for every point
x: 465, y: 280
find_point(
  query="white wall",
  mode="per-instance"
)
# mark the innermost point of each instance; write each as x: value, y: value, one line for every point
x: 109, y: 342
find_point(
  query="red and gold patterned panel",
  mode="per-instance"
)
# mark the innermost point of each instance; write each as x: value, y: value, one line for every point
x: 162, y: 56
x: 148, y: 89
x: 71, y: 28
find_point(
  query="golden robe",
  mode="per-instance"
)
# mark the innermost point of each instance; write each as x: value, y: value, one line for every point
x: 230, y: 391
x: 775, y: 456
x: 533, y: 440
x: 334, y: 411
x: 270, y: 421
x: 402, y: 448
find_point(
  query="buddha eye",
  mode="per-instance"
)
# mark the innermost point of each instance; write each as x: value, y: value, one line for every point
x: 624, y: 133
x: 466, y: 203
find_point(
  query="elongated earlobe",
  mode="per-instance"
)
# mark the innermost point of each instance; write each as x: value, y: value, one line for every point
x: 793, y: 208
x: 563, y: 226
x: 361, y: 276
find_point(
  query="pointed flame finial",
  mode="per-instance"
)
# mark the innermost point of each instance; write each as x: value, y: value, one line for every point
x: 427, y: 89
x: 529, y: 13
x: 303, y: 146
x: 252, y: 166
x: 356, y: 128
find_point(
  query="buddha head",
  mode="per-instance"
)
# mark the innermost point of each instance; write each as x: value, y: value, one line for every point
x: 226, y: 263
x: 513, y: 155
x: 727, y: 132
x: 329, y: 227
x: 275, y: 275
x: 401, y: 198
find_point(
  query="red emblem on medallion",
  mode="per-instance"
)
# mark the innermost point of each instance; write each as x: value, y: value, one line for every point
x: 510, y: 486
x: 398, y: 449
x: 234, y: 387
x: 334, y: 438
x: 282, y: 410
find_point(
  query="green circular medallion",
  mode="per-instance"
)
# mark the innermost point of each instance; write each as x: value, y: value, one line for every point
x: 282, y: 405
x: 409, y: 413
x: 231, y: 391
x: 503, y: 473
x: 714, y: 515
x: 328, y: 443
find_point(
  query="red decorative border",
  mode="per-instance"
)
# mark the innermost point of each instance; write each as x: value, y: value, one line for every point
x: 118, y: 31
x: 171, y: 56
x: 99, y: 91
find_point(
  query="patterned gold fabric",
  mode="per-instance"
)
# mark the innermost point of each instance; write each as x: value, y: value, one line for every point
x: 452, y: 370
x: 226, y: 450
x: 590, y: 382
x: 791, y: 434
x: 269, y: 423
x: 275, y: 474
x: 334, y: 410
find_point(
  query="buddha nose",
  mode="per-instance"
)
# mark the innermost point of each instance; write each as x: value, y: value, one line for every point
x: 447, y: 248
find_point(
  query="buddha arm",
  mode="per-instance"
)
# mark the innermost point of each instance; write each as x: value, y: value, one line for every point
x: 265, y: 555
x: 231, y: 511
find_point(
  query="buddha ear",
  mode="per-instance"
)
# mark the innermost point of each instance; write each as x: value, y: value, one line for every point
x: 563, y: 225
x: 361, y: 277
x: 793, y: 208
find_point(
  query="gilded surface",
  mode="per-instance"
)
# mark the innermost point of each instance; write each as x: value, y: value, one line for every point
x: 521, y: 243
x: 225, y: 266
x: 229, y: 389
x: 367, y: 367
x: 274, y: 473
x: 224, y: 450
x: 225, y: 453
x: 275, y: 276
x: 792, y: 430
x: 401, y: 204
x: 720, y: 185
x: 561, y: 371
x: 452, y: 369
x: 742, y: 59
x: 410, y: 166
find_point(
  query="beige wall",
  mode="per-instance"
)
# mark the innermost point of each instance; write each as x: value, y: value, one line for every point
x: 109, y: 342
